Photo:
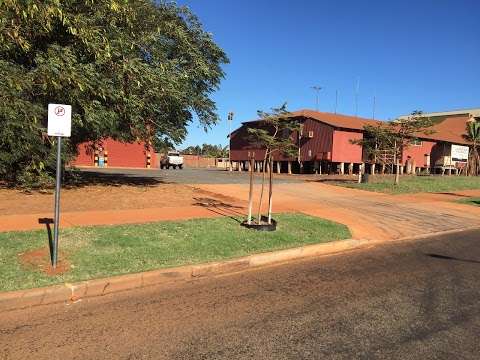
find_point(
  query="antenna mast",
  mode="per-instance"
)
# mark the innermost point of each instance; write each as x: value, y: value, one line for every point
x: 317, y: 90
x: 357, y: 88
x: 336, y: 100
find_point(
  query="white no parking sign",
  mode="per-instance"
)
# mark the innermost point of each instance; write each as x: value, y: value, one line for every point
x: 59, y: 120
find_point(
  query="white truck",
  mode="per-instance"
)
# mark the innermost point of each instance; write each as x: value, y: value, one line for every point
x: 172, y: 158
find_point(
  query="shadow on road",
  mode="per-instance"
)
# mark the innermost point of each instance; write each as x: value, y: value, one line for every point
x: 219, y: 207
x: 338, y: 181
x: 445, y: 257
x: 87, y: 178
x: 453, y: 194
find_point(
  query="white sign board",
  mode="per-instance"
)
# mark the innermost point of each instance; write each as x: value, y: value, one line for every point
x: 459, y: 153
x: 59, y: 120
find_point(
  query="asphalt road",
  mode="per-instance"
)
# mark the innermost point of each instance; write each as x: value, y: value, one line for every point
x: 411, y: 300
x: 183, y: 176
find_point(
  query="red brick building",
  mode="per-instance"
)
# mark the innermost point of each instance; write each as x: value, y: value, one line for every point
x: 325, y: 144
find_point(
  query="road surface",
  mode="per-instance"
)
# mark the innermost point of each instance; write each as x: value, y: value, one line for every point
x: 410, y: 300
x: 185, y: 176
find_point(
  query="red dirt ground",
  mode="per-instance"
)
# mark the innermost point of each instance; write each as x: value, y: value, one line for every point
x: 98, y: 198
x: 39, y: 259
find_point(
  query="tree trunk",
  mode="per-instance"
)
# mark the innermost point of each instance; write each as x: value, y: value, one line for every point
x: 473, y: 161
x: 397, y: 174
x: 270, y: 189
x: 250, y: 193
x: 259, y: 220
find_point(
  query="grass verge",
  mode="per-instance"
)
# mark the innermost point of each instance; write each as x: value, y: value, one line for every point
x: 416, y: 184
x: 100, y: 251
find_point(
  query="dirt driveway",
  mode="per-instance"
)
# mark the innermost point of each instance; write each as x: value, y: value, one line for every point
x: 126, y: 196
x: 369, y: 215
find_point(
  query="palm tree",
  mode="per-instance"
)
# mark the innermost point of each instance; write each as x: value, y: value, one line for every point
x: 473, y: 136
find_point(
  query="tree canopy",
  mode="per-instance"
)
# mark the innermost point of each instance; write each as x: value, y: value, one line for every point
x: 208, y: 150
x: 273, y: 132
x: 393, y: 137
x: 384, y: 143
x: 131, y: 69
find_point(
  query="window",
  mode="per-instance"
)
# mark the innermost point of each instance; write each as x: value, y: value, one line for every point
x: 416, y: 142
x: 310, y: 134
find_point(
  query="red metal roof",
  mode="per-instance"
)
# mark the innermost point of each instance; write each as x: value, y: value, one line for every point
x: 449, y: 129
x: 336, y: 120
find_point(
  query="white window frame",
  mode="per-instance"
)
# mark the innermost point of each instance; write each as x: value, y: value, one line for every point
x: 416, y: 142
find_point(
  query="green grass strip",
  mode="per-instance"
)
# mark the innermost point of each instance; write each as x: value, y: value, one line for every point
x: 101, y: 251
x: 416, y: 184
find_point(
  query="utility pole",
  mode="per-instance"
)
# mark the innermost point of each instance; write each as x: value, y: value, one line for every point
x: 230, y: 119
x: 317, y: 90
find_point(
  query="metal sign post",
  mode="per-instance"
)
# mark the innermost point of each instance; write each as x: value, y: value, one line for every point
x: 59, y: 125
x: 230, y: 119
x: 57, y: 202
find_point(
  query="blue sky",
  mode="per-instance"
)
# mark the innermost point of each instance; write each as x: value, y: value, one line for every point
x: 409, y: 54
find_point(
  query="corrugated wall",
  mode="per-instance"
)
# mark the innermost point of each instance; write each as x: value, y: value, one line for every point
x: 85, y: 155
x: 343, y: 150
x: 240, y: 146
x: 316, y: 141
x: 317, y: 147
x: 417, y: 153
x: 119, y: 155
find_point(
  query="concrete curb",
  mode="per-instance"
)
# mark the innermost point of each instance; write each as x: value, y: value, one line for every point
x: 69, y: 293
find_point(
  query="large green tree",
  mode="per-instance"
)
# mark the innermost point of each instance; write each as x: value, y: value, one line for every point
x: 131, y: 69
